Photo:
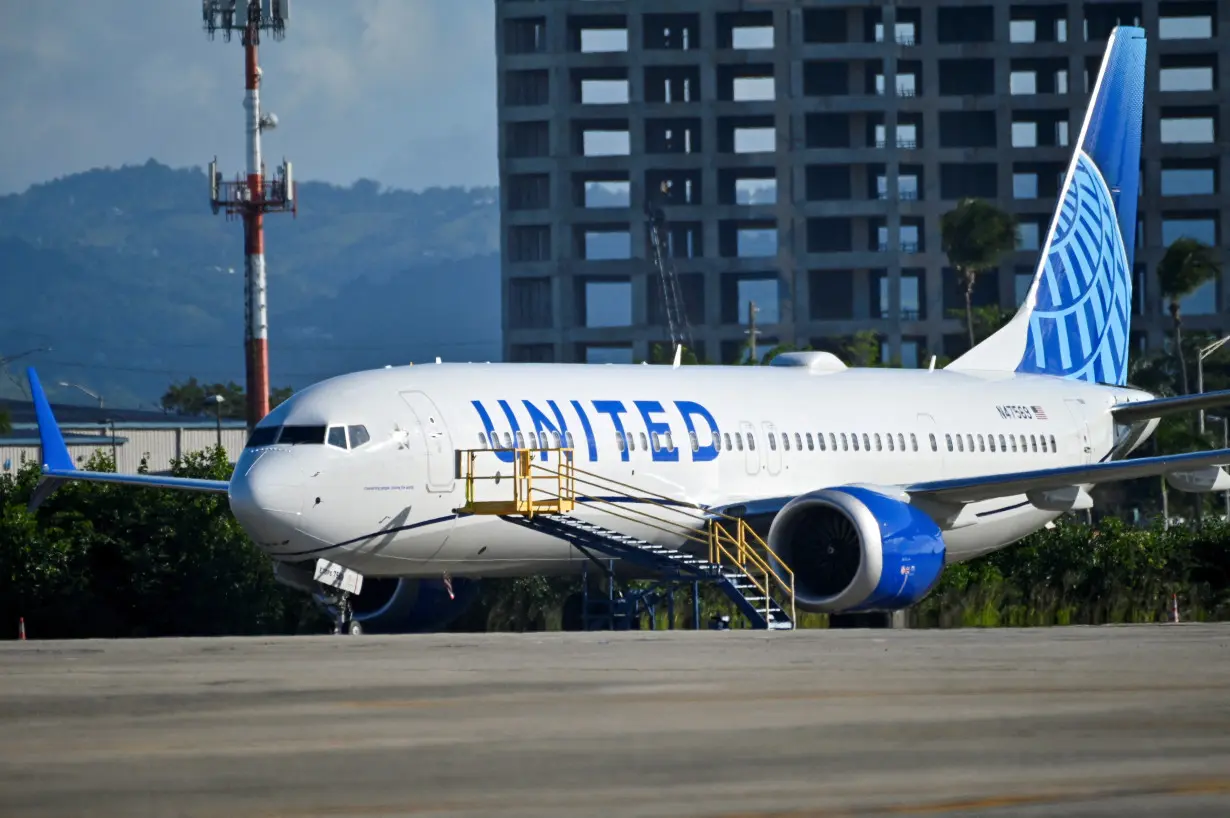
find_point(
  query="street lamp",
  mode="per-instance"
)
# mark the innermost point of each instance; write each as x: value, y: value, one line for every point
x: 1204, y: 353
x: 217, y: 401
x: 92, y: 394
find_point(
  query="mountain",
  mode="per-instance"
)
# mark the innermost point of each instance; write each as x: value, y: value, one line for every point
x: 134, y: 283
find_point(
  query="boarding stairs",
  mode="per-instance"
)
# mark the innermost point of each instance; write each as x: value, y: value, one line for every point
x: 725, y: 551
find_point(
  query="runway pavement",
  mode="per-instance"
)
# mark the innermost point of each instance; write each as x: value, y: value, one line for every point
x: 1111, y: 721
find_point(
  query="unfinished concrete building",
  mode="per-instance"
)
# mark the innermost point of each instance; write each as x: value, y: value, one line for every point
x: 811, y: 148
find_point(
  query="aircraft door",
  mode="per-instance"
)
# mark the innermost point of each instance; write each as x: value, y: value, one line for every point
x: 751, y: 456
x: 773, y: 450
x: 437, y: 443
x: 1076, y: 408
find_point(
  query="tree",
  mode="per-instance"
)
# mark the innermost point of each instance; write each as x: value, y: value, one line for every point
x: 1188, y: 263
x: 189, y: 398
x: 976, y: 235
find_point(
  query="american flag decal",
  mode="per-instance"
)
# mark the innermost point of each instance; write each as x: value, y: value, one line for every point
x: 1038, y: 413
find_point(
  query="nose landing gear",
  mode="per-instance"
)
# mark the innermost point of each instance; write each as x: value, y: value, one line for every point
x: 340, y: 586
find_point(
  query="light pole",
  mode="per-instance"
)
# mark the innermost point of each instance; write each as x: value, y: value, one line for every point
x: 217, y: 401
x: 1204, y: 353
x: 92, y: 394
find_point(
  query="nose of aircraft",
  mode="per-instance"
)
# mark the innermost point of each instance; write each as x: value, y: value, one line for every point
x: 266, y: 497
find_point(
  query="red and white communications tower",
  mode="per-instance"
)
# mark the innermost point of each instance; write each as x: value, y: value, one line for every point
x: 251, y: 196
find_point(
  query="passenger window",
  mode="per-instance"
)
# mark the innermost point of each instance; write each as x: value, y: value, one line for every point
x: 1054, y: 448
x: 934, y: 446
x: 960, y: 445
x: 1043, y: 437
x: 914, y: 442
x: 845, y: 443
x: 798, y: 441
x: 948, y: 439
x: 889, y: 438
x: 811, y: 445
x: 1033, y: 442
x: 739, y: 440
x: 619, y: 441
x: 729, y: 448
x: 991, y: 442
x: 533, y: 436
x: 695, y: 442
x: 773, y: 442
x: 568, y: 435
x: 1024, y: 444
x: 879, y: 448
x: 1013, y: 439
x: 820, y: 441
x: 1002, y: 445
x: 969, y: 441
x: 631, y: 441
x: 717, y: 441
x: 482, y: 440
x: 866, y: 442
x: 644, y: 442
x: 670, y: 442
x: 785, y: 442
x: 337, y: 436
x: 555, y: 440
x: 751, y: 442
x: 854, y: 437
x: 982, y: 443
x: 901, y: 441
x: 521, y: 441
x: 655, y: 441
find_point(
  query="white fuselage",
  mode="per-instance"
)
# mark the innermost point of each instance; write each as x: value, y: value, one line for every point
x: 386, y: 508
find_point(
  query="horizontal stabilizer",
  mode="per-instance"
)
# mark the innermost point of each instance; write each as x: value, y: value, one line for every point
x: 975, y: 489
x: 1148, y: 409
x: 58, y: 465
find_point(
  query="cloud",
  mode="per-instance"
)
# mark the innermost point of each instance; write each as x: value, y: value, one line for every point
x: 397, y: 90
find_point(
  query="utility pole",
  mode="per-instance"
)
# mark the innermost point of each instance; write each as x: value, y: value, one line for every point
x: 250, y: 197
x: 751, y: 330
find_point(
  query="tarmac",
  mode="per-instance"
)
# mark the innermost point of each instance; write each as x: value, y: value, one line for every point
x: 1113, y: 721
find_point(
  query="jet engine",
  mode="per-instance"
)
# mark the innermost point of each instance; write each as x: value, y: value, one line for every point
x: 393, y: 605
x: 855, y: 549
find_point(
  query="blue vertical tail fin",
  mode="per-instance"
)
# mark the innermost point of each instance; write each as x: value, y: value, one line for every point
x: 1075, y: 319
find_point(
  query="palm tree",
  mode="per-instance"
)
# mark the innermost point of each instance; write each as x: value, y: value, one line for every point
x: 976, y: 235
x: 1187, y: 265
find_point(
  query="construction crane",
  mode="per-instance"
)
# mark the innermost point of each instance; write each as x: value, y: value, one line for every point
x: 659, y: 244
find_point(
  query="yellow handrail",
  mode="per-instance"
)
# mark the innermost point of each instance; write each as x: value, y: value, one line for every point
x: 723, y: 546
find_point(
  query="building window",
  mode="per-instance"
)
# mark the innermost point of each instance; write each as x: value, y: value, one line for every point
x: 1022, y: 31
x: 1185, y: 28
x: 1188, y: 181
x: 1024, y: 134
x: 1023, y: 82
x: 1024, y: 185
x: 1196, y: 129
x: 1027, y: 236
x: 1194, y: 78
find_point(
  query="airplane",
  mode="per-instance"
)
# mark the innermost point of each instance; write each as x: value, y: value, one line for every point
x: 866, y: 482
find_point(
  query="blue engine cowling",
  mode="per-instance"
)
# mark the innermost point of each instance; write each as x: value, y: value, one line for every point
x: 855, y: 549
x: 394, y: 605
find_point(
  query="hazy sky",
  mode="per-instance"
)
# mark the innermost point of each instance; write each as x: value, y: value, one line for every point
x: 397, y: 90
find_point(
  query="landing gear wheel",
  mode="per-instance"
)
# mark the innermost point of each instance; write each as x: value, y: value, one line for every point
x: 354, y: 628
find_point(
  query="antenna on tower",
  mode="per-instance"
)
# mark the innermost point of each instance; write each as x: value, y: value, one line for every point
x: 250, y: 196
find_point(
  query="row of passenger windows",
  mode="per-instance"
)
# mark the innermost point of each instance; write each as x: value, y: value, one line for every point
x: 734, y: 441
x: 343, y: 437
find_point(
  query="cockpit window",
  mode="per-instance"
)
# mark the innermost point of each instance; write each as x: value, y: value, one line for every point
x: 337, y: 436
x: 263, y: 436
x: 358, y: 436
x: 295, y: 435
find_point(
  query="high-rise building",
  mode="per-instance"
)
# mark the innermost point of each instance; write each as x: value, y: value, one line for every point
x: 811, y: 148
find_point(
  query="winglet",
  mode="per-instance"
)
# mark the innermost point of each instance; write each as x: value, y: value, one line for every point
x: 55, y: 451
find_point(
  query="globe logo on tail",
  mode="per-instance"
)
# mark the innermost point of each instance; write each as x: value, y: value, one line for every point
x: 1079, y: 325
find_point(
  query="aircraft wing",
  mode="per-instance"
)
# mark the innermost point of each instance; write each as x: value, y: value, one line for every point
x: 58, y: 463
x: 1148, y: 409
x: 974, y: 489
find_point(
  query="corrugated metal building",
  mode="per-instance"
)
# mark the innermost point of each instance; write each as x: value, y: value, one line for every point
x: 130, y: 435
